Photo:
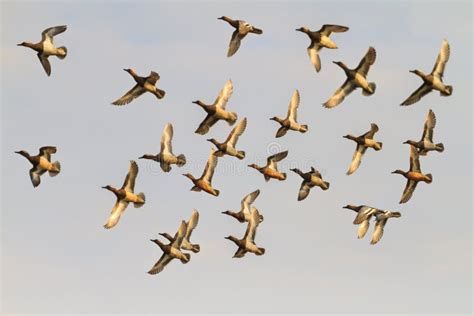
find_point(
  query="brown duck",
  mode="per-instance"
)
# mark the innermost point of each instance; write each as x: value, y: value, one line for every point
x: 204, y: 182
x: 166, y: 158
x: 363, y: 141
x: 270, y: 170
x: 244, y: 214
x: 228, y: 147
x: 143, y: 84
x: 311, y: 179
x: 190, y: 226
x: 216, y: 111
x: 320, y: 39
x: 46, y: 48
x: 290, y: 123
x: 356, y: 78
x: 125, y: 195
x: 247, y: 244
x: 41, y: 163
x: 414, y: 175
x: 242, y: 28
x: 171, y: 251
x: 426, y: 144
x: 434, y: 80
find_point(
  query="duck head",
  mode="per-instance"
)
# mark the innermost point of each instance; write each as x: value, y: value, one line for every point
x: 350, y: 207
x: 418, y: 73
x: 349, y: 136
x: 189, y: 176
x: 108, y: 187
x: 146, y: 156
x: 398, y: 171
x: 276, y: 119
x: 340, y: 64
x: 26, y: 44
x: 411, y: 142
x: 198, y: 102
x: 23, y: 153
x: 213, y: 140
x: 253, y: 166
x: 303, y: 29
x: 225, y: 18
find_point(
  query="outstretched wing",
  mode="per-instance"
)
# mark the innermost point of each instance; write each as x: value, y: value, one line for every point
x: 153, y: 77
x: 166, y: 138
x: 443, y: 57
x: 129, y: 183
x: 370, y: 134
x: 305, y: 188
x: 327, y: 29
x: 234, y: 43
x: 128, y: 97
x: 366, y: 62
x: 45, y: 63
x: 378, y: 231
x: 117, y: 211
x: 414, y: 159
x: 210, y: 166
x: 224, y: 95
x: 419, y: 93
x: 430, y: 124
x: 160, y: 264
x: 205, y: 125
x: 249, y: 199
x: 179, y: 236
x: 52, y: 31
x: 356, y: 159
x: 338, y: 96
x: 313, y: 53
x: 408, y: 192
x: 191, y: 224
x: 46, y: 152
x: 293, y: 106
x: 236, y: 132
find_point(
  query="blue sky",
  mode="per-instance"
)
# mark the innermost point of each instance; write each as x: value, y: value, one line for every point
x: 56, y: 257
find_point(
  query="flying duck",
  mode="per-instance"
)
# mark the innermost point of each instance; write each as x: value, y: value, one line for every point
x: 356, y: 78
x: 242, y: 28
x: 244, y: 214
x: 434, y: 80
x: 190, y: 226
x: 171, y: 251
x: 414, y: 175
x: 364, y: 214
x: 166, y: 158
x: 228, y: 147
x: 310, y: 179
x: 143, y: 84
x: 216, y: 111
x: 320, y: 39
x: 381, y: 218
x: 247, y: 244
x: 290, y: 121
x: 41, y: 163
x: 46, y: 48
x: 204, y: 182
x: 270, y: 170
x: 426, y: 144
x: 364, y: 141
x: 125, y: 195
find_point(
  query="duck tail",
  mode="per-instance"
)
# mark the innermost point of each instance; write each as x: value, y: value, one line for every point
x: 326, y: 185
x: 241, y: 154
x: 430, y: 177
x: 196, y: 248
x: 371, y: 89
x: 57, y: 169
x: 447, y: 91
x: 261, y: 251
x: 439, y: 147
x: 284, y: 176
x: 186, y: 258
x: 304, y: 128
x: 62, y: 52
x: 379, y: 146
x: 160, y: 94
x: 181, y: 160
x: 142, y: 196
x: 217, y: 192
x: 232, y: 119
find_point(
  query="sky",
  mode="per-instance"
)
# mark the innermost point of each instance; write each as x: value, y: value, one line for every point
x: 57, y: 257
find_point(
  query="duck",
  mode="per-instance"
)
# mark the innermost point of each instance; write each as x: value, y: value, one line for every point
x: 356, y: 78
x: 381, y: 218
x: 204, y: 182
x: 42, y: 163
x: 125, y: 195
x: 166, y: 158
x: 171, y: 251
x: 363, y: 141
x: 290, y: 123
x: 364, y: 214
x: 216, y: 111
x: 247, y: 243
x: 228, y: 147
x: 190, y: 226
x: 143, y: 84
x: 270, y: 170
x: 311, y: 179
x: 242, y: 28
x: 414, y: 175
x: 245, y: 207
x: 320, y: 39
x: 426, y: 144
x: 46, y: 48
x: 433, y: 80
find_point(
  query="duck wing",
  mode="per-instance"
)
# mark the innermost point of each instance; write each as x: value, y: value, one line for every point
x: 235, y: 42
x: 117, y: 211
x: 205, y: 125
x: 419, y: 93
x: 313, y: 53
x: 408, y: 192
x: 366, y: 62
x: 179, y: 236
x: 443, y: 57
x: 378, y: 231
x: 370, y: 134
x: 293, y: 107
x: 273, y: 159
x: 191, y: 224
x: 429, y: 126
x: 210, y: 166
x: 153, y: 77
x: 129, y: 183
x: 356, y: 159
x: 46, y: 152
x: 166, y: 138
x: 240, y: 253
x: 316, y: 173
x: 414, y: 159
x: 249, y: 199
x: 305, y: 188
x: 224, y: 95
x: 160, y: 264
x: 236, y: 132
x: 45, y: 63
x: 365, y: 213
x: 327, y: 29
x: 52, y: 31
x: 363, y: 227
x: 252, y: 225
x: 338, y: 96
x: 128, y: 97
x: 35, y: 175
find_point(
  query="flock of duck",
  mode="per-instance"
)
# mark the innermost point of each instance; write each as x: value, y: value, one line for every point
x: 177, y: 246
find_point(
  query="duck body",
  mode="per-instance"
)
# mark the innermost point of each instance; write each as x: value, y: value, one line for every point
x: 363, y: 141
x: 228, y: 147
x: 311, y: 179
x: 269, y: 172
x: 242, y: 28
x: 200, y: 184
x: 41, y: 164
x: 290, y: 122
x: 143, y: 84
x: 204, y: 183
x: 426, y: 143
